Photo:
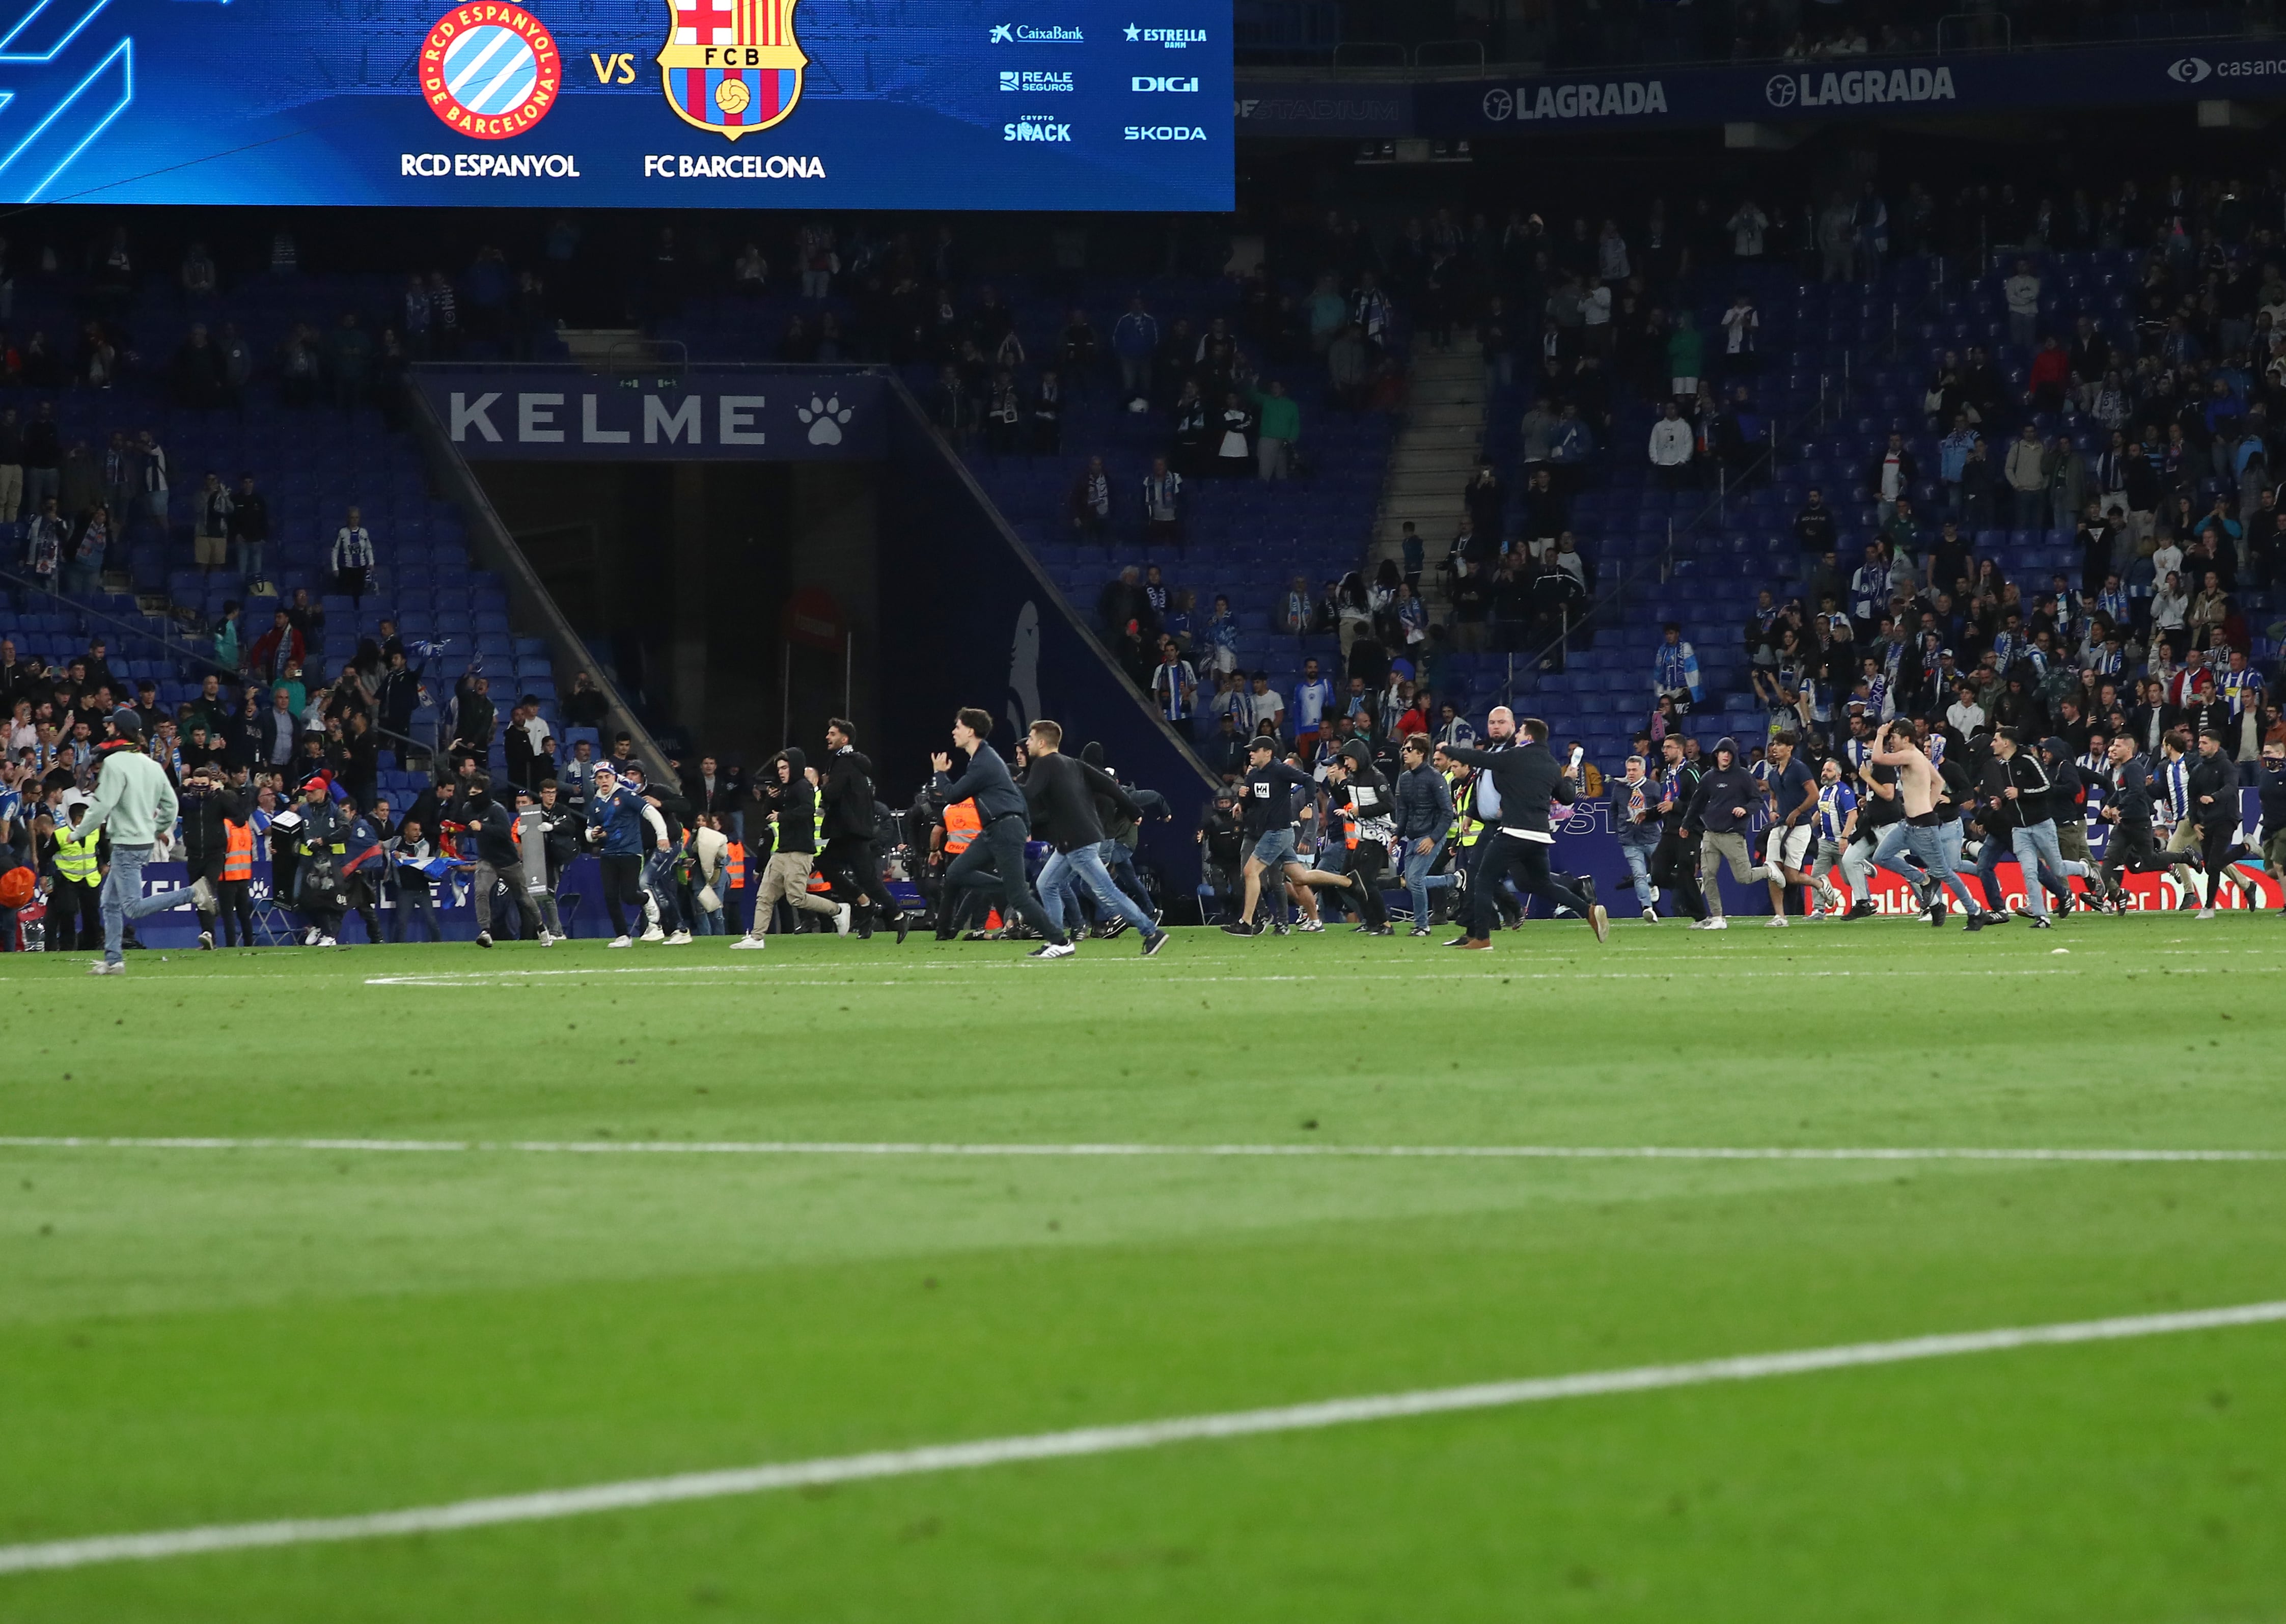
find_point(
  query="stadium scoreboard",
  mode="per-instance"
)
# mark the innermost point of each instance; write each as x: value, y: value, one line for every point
x: 739, y: 104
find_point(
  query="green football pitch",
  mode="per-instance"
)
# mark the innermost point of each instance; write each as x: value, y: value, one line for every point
x: 294, y: 1236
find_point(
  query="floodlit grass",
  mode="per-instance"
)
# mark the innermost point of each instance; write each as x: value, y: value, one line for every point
x: 227, y: 1334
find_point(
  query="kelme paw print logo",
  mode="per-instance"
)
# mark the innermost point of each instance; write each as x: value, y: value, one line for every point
x: 825, y: 419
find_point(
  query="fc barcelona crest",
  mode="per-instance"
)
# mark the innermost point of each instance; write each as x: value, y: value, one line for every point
x: 732, y: 66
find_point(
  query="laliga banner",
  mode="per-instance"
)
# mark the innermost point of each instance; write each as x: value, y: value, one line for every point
x: 558, y: 104
x: 1585, y: 844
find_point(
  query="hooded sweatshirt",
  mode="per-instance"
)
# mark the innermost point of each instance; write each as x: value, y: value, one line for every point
x: 1723, y: 789
x: 797, y: 803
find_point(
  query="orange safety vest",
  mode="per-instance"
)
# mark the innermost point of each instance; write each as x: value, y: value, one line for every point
x: 237, y: 850
x: 961, y: 825
x: 734, y: 865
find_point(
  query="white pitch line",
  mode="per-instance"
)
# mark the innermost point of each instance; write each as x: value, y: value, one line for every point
x: 636, y: 1494
x: 916, y: 1148
x: 791, y: 978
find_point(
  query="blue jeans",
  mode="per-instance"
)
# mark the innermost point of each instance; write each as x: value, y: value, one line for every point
x: 705, y: 924
x: 1889, y: 849
x: 1119, y: 863
x: 1637, y: 851
x: 1082, y: 866
x: 123, y: 899
x: 2043, y: 865
x: 1419, y: 881
x: 414, y: 907
x: 249, y: 559
x: 1928, y: 845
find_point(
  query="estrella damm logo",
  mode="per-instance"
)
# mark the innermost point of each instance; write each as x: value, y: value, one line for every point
x: 490, y: 70
x: 731, y: 66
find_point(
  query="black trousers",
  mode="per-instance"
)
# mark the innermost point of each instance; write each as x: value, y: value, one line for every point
x: 1367, y: 864
x: 623, y: 889
x: 71, y: 901
x: 2131, y: 850
x: 1527, y: 860
x: 1673, y: 870
x: 1001, y: 844
x: 2215, y: 841
x: 861, y: 860
x: 234, y: 905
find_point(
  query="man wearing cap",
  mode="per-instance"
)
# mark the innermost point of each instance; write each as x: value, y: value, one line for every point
x: 1268, y: 794
x: 615, y: 822
x: 135, y: 804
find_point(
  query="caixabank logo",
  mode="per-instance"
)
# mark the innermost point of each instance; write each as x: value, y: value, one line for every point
x: 732, y: 66
x: 490, y: 70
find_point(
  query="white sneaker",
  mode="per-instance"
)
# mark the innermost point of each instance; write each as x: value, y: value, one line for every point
x: 105, y: 966
x: 310, y: 937
x: 327, y: 942
x: 205, y: 942
x: 750, y: 942
x: 1651, y: 899
x: 619, y: 942
x: 1778, y: 921
x: 483, y: 938
x: 681, y: 938
x: 1650, y: 916
x: 842, y: 920
x: 2206, y: 913
x: 653, y: 934
x: 1052, y: 950
x: 1310, y: 925
x: 547, y: 940
x: 1712, y: 922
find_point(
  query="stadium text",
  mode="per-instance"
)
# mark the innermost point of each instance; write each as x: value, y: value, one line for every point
x: 733, y: 166
x: 517, y: 166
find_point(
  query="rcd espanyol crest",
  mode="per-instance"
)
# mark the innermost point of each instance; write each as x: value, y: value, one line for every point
x: 731, y: 66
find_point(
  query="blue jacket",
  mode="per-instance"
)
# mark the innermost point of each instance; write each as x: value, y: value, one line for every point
x: 620, y: 816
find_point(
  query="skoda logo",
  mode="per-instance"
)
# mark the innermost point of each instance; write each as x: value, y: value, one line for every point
x: 1498, y: 105
x: 1781, y: 90
x: 2189, y: 70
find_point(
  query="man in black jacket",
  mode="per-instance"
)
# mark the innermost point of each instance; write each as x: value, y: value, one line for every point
x: 1004, y: 814
x: 208, y: 804
x: 790, y: 801
x: 1675, y: 860
x: 1062, y: 793
x: 1723, y: 809
x: 850, y: 823
x: 2214, y: 808
x: 2273, y: 787
x: 2021, y: 812
x: 498, y: 859
x: 1527, y: 778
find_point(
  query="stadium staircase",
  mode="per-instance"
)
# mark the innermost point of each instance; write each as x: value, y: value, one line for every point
x: 1436, y: 451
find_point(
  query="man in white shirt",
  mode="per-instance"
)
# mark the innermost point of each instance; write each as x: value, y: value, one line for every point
x: 1265, y: 704
x: 2022, y: 292
x: 1966, y: 717
x: 1740, y: 323
x: 1312, y: 696
x: 1670, y: 448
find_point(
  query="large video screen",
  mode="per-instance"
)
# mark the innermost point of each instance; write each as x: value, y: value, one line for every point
x: 734, y: 104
